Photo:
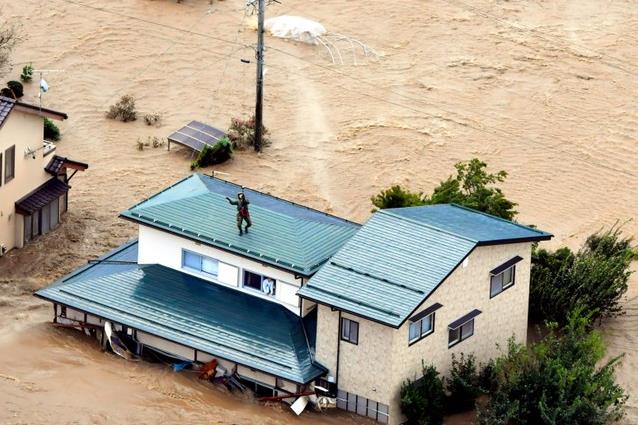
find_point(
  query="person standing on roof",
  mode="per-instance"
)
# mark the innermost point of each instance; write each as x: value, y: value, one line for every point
x: 242, y: 212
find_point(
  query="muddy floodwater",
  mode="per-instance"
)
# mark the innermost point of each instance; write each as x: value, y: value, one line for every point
x: 544, y: 90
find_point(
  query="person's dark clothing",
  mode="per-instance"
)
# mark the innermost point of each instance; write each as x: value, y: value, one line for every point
x: 242, y: 213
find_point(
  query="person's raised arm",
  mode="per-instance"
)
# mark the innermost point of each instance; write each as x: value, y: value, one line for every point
x: 231, y: 201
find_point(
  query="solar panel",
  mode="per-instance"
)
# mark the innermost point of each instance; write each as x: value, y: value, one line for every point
x: 196, y: 135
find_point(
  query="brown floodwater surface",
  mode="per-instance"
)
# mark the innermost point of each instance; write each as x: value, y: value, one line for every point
x: 544, y: 90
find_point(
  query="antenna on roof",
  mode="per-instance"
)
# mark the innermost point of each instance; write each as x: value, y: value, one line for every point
x: 44, y: 86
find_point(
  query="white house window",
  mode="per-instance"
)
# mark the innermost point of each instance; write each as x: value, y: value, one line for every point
x: 462, y: 329
x: 264, y: 284
x: 350, y: 331
x: 422, y: 324
x: 9, y: 164
x: 200, y: 263
x: 421, y: 328
x: 503, y: 276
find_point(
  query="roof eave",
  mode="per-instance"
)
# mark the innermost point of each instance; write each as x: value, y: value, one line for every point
x: 130, y: 217
x: 302, y: 381
x: 39, y: 111
x: 539, y: 238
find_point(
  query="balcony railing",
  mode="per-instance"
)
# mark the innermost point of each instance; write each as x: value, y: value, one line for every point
x: 47, y: 147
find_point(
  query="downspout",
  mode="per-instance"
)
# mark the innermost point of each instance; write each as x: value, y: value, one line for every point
x: 338, y: 350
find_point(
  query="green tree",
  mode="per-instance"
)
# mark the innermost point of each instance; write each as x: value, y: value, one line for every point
x: 51, y: 131
x: 397, y: 197
x: 423, y: 400
x: 463, y: 385
x: 594, y: 278
x: 561, y: 380
x: 472, y: 187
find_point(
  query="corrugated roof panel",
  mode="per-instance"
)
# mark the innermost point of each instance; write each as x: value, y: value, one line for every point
x: 386, y: 270
x: 283, y: 233
x: 465, y: 222
x: 165, y: 302
x: 400, y: 256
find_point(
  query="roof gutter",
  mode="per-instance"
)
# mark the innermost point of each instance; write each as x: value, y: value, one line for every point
x: 35, y: 294
x: 230, y: 251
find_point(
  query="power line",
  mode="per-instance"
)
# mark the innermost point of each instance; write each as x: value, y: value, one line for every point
x: 495, y: 130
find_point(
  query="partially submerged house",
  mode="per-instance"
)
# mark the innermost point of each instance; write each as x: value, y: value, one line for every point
x: 34, y: 182
x: 191, y: 286
x: 305, y: 297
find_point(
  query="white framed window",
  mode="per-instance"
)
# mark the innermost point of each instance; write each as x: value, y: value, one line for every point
x: 503, y: 277
x: 461, y: 333
x: 350, y: 331
x: 421, y: 328
x: 462, y: 329
x: 264, y: 284
x: 9, y: 164
x: 200, y: 263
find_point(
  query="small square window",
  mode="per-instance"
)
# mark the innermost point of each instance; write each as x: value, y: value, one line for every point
x: 503, y: 280
x: 461, y: 333
x: 350, y: 331
x: 421, y: 328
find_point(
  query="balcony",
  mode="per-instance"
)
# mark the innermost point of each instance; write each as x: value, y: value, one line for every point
x: 47, y: 147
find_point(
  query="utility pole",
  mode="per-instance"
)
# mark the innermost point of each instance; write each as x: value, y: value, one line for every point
x: 260, y: 77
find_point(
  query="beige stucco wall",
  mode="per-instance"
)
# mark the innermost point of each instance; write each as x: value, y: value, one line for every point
x: 24, y: 131
x: 383, y: 359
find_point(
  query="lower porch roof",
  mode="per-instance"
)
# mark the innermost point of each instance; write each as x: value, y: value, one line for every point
x: 187, y: 310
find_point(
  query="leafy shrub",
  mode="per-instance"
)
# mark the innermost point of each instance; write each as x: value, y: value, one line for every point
x: 463, y: 384
x: 154, y: 141
x: 27, y: 73
x: 6, y: 92
x: 423, y: 400
x: 218, y: 153
x: 123, y: 110
x: 153, y: 119
x: 16, y: 87
x: 242, y: 133
x: 472, y: 187
x: 397, y: 197
x: 51, y: 131
x: 595, y: 277
x: 560, y: 380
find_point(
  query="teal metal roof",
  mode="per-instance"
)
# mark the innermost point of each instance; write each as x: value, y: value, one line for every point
x: 284, y: 234
x: 400, y: 256
x: 466, y: 222
x: 220, y: 321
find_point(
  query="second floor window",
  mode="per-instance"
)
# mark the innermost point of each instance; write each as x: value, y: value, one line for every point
x: 462, y: 329
x: 421, y: 328
x: 503, y: 276
x: 200, y: 263
x: 350, y: 331
x: 9, y: 164
x: 264, y: 284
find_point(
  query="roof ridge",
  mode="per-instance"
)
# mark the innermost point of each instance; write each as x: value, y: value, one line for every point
x: 281, y: 199
x: 427, y: 225
x: 463, y: 207
x: 161, y: 191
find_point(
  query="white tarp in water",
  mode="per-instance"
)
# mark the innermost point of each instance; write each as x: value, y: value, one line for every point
x: 295, y: 28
